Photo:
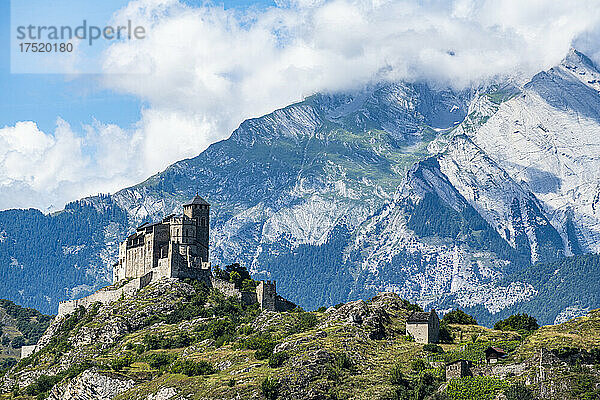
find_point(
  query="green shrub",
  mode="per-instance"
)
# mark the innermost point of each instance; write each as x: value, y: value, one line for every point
x: 477, y: 387
x: 231, y: 382
x: 76, y: 369
x: 159, y: 360
x: 124, y: 361
x: 192, y: 368
x: 304, y: 322
x: 6, y: 363
x: 246, y: 330
x: 155, y: 342
x: 410, y: 306
x: 425, y: 385
x: 139, y: 348
x: 445, y: 333
x: 217, y: 328
x: 263, y: 344
x: 397, y: 377
x: 307, y: 321
x: 517, y: 322
x: 73, y: 319
x: 277, y: 359
x: 433, y: 348
x: 419, y: 365
x: 343, y: 361
x: 223, y: 339
x: 322, y: 309
x: 458, y: 316
x: 270, y: 388
x: 264, y: 352
x: 17, y: 342
x: 42, y: 384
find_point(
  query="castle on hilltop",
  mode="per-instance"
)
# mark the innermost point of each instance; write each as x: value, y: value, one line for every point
x: 175, y: 247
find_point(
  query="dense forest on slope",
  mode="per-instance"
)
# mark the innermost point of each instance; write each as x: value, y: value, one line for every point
x: 42, y: 255
x: 560, y: 287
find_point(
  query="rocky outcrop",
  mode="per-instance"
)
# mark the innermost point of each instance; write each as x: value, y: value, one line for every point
x: 92, y: 385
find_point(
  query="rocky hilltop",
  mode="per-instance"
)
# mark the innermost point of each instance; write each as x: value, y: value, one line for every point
x: 176, y: 339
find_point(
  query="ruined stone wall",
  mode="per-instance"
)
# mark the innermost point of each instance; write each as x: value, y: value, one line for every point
x: 266, y: 295
x: 227, y: 288
x: 282, y: 304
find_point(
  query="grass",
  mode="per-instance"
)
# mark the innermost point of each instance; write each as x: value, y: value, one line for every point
x: 582, y: 332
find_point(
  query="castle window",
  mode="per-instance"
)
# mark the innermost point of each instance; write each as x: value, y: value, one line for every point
x: 203, y: 221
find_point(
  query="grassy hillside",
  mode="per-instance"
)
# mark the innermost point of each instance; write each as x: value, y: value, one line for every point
x: 179, y: 338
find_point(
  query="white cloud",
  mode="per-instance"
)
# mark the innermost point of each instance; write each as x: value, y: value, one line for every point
x: 206, y: 69
x: 47, y: 170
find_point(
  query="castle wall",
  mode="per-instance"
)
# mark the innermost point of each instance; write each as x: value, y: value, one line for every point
x: 104, y: 296
x: 135, y: 261
x: 227, y: 288
x: 282, y: 304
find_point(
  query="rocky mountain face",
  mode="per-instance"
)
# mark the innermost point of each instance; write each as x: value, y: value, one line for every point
x: 176, y: 340
x: 441, y: 196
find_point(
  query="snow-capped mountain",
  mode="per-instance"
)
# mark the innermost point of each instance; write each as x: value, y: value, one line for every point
x: 445, y: 197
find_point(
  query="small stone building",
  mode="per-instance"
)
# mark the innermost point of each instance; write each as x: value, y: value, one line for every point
x: 458, y: 369
x: 423, y: 326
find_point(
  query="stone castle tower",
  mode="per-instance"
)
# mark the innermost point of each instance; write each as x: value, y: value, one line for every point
x: 176, y: 247
x: 199, y: 211
x: 266, y: 295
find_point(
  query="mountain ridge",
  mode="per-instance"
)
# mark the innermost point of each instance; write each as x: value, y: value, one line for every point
x: 324, y: 189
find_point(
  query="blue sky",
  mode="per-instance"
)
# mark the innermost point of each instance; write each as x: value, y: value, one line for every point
x: 78, y: 100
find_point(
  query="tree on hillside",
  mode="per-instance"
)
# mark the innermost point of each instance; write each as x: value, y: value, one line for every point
x: 458, y: 316
x: 237, y: 274
x: 517, y: 322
